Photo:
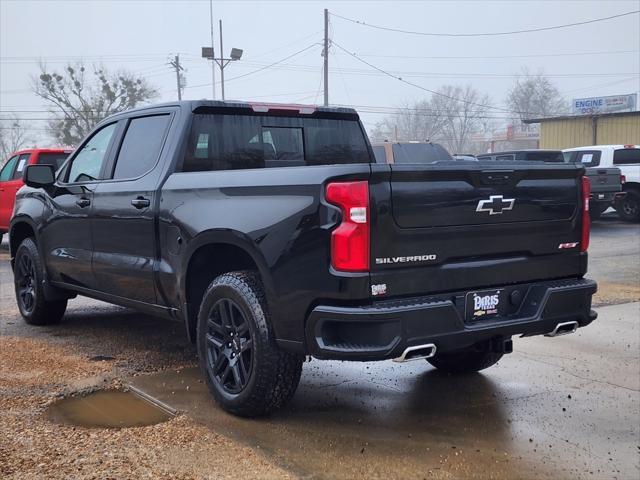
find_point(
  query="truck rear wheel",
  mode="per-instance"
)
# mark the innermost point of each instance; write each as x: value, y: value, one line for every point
x: 244, y: 369
x: 28, y: 274
x: 629, y: 207
x: 472, y: 359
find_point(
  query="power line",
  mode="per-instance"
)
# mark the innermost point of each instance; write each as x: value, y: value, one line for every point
x: 433, y: 92
x: 494, y: 57
x: 485, y: 34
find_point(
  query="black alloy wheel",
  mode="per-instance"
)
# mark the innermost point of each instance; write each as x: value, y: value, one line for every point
x: 26, y: 279
x: 29, y: 281
x: 229, y: 346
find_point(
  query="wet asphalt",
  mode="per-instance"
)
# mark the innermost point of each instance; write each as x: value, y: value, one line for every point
x: 565, y: 407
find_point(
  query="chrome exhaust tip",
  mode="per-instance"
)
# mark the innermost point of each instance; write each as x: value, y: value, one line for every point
x: 564, y: 328
x: 417, y: 352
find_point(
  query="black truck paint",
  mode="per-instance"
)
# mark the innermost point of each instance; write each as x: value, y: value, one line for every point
x: 167, y: 241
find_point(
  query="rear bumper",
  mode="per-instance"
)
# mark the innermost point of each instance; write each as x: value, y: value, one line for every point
x: 385, y: 329
x: 606, y: 197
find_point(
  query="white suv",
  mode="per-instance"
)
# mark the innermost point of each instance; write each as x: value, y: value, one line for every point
x: 627, y: 159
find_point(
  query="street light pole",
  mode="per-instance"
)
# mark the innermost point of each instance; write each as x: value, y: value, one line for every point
x: 208, y: 53
x: 213, y: 64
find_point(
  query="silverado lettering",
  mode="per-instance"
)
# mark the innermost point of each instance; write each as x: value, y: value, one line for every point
x: 414, y: 258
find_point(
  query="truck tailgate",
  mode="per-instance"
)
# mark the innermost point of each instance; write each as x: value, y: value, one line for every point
x: 451, y: 226
x: 604, y: 180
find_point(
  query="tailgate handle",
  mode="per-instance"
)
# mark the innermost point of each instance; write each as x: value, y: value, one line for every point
x: 496, y: 178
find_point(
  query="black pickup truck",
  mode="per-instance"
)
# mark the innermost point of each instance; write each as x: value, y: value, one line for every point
x: 272, y: 234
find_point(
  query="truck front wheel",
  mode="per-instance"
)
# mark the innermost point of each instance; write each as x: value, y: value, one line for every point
x: 244, y: 369
x: 472, y: 359
x: 28, y: 275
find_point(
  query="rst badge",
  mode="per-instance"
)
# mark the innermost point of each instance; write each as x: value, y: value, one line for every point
x: 485, y: 304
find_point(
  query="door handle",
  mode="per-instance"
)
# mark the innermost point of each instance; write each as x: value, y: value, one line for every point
x: 83, y: 202
x: 140, y: 202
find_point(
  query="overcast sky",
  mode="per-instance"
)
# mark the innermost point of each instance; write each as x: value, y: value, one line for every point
x: 597, y: 59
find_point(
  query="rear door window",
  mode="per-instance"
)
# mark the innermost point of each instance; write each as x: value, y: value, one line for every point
x: 626, y: 156
x: 503, y: 158
x: 588, y: 158
x: 23, y: 161
x: 231, y: 142
x: 141, y: 146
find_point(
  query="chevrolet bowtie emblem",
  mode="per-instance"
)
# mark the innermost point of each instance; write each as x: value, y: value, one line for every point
x: 495, y: 205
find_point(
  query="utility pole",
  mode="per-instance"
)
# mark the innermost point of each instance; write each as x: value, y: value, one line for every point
x: 175, y: 63
x: 221, y: 62
x: 213, y: 64
x: 326, y: 57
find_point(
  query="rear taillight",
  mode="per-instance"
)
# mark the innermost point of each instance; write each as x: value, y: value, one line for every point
x: 623, y: 179
x: 586, y: 221
x: 350, y: 241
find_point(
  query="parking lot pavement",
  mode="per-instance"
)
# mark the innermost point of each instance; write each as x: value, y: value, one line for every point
x: 566, y: 407
x: 556, y: 408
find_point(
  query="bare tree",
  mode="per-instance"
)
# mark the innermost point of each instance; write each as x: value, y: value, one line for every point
x: 13, y: 137
x: 416, y: 121
x: 464, y: 110
x: 534, y: 96
x: 77, y: 104
x: 451, y: 116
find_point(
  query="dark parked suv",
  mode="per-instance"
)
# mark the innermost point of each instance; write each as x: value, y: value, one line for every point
x: 270, y: 232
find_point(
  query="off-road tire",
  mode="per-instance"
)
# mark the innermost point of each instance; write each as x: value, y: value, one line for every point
x: 274, y: 374
x: 38, y: 311
x: 472, y: 359
x: 629, y: 207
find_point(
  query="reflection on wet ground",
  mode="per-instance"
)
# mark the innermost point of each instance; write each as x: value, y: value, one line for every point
x: 107, y: 409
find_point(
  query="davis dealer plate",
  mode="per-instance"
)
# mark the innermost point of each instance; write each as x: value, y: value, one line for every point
x: 484, y: 304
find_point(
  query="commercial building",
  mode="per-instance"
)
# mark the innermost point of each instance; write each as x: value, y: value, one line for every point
x: 619, y: 128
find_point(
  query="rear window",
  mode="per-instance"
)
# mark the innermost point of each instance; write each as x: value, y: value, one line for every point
x: 626, y: 156
x: 419, y: 153
x: 54, y: 159
x: 232, y: 142
x: 544, y: 156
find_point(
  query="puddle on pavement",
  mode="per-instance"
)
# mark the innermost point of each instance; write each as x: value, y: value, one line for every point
x: 108, y: 409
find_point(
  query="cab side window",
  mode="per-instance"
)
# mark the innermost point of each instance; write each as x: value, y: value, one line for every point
x: 87, y: 164
x: 7, y: 170
x: 23, y: 161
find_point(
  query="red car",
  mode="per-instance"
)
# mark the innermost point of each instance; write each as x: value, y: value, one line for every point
x: 11, y: 176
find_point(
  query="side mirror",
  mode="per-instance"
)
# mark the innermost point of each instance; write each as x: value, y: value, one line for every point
x: 39, y: 176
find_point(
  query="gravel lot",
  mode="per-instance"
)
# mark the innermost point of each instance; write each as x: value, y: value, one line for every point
x: 377, y: 420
